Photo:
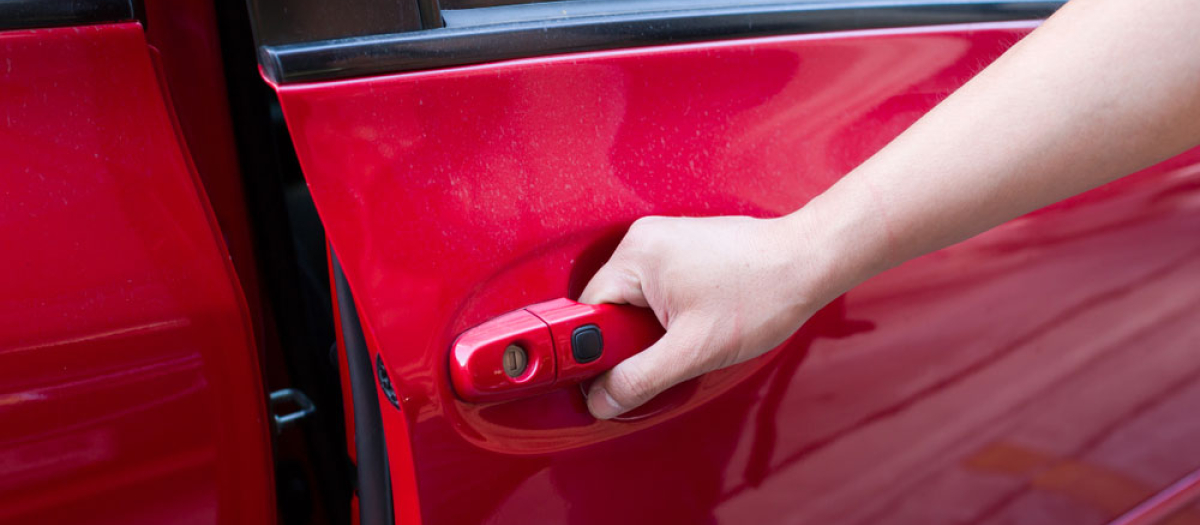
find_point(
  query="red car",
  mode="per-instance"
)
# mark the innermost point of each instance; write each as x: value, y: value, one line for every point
x: 298, y: 261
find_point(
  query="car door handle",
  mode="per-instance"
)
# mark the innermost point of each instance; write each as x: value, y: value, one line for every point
x: 546, y: 345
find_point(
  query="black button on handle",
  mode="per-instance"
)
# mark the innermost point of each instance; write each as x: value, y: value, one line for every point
x: 586, y: 343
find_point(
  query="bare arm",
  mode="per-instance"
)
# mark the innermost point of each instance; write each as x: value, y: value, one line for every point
x: 1102, y: 89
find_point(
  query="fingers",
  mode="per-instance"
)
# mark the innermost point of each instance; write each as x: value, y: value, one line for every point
x: 614, y: 284
x: 618, y: 280
x: 643, y: 376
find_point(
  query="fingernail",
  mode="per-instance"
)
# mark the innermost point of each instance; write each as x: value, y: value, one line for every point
x: 602, y: 405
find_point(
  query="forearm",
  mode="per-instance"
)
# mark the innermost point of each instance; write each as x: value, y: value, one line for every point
x: 1104, y: 88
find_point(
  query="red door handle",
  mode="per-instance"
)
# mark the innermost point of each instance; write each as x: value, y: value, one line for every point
x: 539, y: 347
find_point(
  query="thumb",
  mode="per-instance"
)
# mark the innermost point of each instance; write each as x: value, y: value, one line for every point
x: 639, y: 378
x: 614, y: 284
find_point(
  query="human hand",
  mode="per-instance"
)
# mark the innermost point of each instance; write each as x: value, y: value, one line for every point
x: 727, y: 289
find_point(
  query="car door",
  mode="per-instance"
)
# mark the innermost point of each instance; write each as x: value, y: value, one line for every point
x: 472, y: 161
x: 130, y: 390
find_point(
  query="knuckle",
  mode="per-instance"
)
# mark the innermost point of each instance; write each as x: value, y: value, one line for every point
x: 644, y: 227
x: 648, y: 220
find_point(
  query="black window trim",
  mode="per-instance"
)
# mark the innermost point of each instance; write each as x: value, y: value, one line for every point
x: 473, y: 36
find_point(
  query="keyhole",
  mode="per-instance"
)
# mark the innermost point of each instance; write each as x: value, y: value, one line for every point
x: 515, y: 361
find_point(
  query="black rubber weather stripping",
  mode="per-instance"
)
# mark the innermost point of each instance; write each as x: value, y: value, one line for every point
x: 374, y: 479
x: 479, y: 35
x: 24, y: 14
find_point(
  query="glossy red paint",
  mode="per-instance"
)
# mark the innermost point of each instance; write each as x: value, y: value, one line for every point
x: 129, y: 386
x: 544, y: 333
x: 185, y: 34
x: 1167, y: 504
x: 476, y: 358
x: 404, y: 483
x: 1043, y: 372
x: 624, y: 331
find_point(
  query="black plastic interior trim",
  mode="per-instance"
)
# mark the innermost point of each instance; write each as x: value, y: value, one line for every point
x: 374, y: 478
x: 24, y: 14
x: 507, y: 32
x: 277, y: 22
x: 431, y: 14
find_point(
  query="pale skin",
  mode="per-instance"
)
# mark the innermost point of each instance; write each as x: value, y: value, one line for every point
x: 1103, y: 89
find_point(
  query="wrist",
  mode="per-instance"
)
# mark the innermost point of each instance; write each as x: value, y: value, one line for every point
x: 835, y: 244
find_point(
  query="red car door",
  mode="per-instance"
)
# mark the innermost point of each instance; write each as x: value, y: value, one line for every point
x: 471, y: 160
x: 130, y: 390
